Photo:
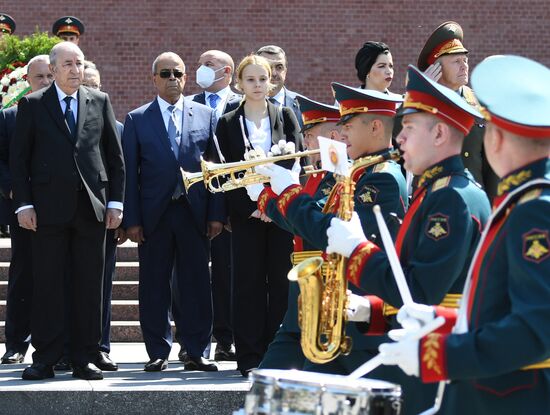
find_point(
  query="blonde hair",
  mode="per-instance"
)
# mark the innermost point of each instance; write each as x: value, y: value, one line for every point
x: 253, y: 60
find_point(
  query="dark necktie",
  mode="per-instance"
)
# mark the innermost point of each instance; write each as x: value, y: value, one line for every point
x: 213, y: 100
x: 69, y: 116
x: 274, y: 102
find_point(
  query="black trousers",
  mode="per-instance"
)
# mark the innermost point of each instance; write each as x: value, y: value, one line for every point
x: 261, y: 261
x: 108, y: 275
x: 220, y: 257
x: 19, y: 297
x: 78, y: 246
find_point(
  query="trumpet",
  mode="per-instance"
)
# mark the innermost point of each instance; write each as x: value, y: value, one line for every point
x: 224, y: 177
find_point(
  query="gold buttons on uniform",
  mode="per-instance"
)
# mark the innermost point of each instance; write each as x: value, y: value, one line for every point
x: 466, y: 154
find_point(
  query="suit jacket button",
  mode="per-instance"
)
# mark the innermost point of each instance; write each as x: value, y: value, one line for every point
x: 466, y: 154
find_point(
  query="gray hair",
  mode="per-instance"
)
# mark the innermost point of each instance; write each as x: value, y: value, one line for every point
x: 39, y: 58
x: 90, y: 65
x: 63, y: 45
x: 163, y: 55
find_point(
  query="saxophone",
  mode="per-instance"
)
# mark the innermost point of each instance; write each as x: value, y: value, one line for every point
x: 323, y: 285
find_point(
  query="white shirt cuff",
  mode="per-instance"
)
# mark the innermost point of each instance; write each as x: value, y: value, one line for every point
x: 24, y: 208
x: 115, y: 205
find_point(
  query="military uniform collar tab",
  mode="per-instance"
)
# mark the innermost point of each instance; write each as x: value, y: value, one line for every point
x: 537, y: 169
x: 445, y: 167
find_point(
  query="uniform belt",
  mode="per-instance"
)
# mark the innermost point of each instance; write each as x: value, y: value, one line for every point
x: 450, y: 301
x: 545, y: 364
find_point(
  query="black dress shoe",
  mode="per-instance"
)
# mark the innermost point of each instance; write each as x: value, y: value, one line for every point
x: 104, y: 362
x: 156, y: 365
x: 64, y: 365
x: 38, y: 371
x: 87, y: 372
x: 246, y: 372
x: 182, y: 355
x: 199, y: 363
x: 12, y: 356
x: 225, y: 352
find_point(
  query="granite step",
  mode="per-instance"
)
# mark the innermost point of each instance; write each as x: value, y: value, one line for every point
x: 124, y: 271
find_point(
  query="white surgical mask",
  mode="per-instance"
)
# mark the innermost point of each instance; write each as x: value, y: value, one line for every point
x: 206, y: 76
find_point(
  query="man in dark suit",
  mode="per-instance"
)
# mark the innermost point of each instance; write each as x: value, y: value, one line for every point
x: 68, y: 184
x: 19, y: 297
x: 172, y: 227
x: 280, y: 95
x: 214, y: 76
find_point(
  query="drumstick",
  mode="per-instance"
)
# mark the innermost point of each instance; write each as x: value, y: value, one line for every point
x: 376, y: 361
x: 392, y: 257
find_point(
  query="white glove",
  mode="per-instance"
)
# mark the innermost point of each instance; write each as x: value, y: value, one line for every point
x: 344, y: 237
x: 254, y: 154
x: 280, y: 177
x: 412, y: 317
x: 403, y: 354
x: 358, y: 308
x: 254, y: 191
x: 282, y: 147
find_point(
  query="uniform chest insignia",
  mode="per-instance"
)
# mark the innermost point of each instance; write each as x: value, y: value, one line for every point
x: 536, y: 246
x: 441, y: 183
x: 368, y: 194
x: 380, y: 167
x: 438, y: 227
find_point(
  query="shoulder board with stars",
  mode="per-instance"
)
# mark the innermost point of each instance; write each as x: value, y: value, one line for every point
x: 530, y: 195
x: 441, y: 183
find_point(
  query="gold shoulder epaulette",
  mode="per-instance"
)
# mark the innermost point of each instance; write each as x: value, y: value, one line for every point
x: 530, y: 195
x: 380, y: 167
x: 441, y: 183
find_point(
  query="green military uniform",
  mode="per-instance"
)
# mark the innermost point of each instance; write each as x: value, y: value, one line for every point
x: 498, y: 356
x: 437, y: 238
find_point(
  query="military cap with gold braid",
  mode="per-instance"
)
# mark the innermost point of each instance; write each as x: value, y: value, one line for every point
x: 445, y: 40
x: 314, y: 112
x: 355, y: 101
x: 515, y: 93
x: 7, y: 24
x: 68, y: 24
x: 423, y: 94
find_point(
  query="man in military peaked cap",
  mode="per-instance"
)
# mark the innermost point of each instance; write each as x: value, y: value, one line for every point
x: 440, y: 230
x: 7, y: 24
x: 498, y: 356
x: 445, y: 60
x: 68, y: 28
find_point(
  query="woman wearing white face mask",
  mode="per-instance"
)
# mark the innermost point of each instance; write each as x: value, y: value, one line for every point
x: 261, y: 250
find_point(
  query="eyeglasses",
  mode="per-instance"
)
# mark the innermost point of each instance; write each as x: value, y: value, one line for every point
x: 165, y: 73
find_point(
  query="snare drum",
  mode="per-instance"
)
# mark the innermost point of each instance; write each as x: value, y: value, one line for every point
x: 293, y: 392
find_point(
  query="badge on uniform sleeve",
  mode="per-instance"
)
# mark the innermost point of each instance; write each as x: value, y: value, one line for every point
x: 536, y: 247
x: 438, y: 227
x: 368, y: 194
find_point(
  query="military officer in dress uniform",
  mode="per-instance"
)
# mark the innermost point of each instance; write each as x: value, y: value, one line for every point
x: 445, y: 59
x: 7, y: 24
x: 498, y: 356
x: 367, y: 122
x: 441, y: 228
x: 68, y: 28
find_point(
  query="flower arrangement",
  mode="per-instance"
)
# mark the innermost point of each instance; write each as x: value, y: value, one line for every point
x: 15, y: 52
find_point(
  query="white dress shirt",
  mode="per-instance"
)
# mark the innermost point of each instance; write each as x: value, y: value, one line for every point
x: 260, y: 137
x: 223, y: 94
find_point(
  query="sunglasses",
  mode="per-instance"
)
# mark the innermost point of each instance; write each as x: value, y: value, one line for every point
x: 165, y: 73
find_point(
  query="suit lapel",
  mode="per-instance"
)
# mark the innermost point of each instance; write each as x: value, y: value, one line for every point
x: 274, y: 120
x: 157, y: 124
x: 51, y: 101
x: 83, y: 100
x: 187, y: 122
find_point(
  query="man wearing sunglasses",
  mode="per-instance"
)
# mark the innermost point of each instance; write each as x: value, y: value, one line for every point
x: 172, y: 226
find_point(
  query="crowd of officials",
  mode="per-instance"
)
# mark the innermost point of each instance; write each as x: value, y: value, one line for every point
x: 78, y: 182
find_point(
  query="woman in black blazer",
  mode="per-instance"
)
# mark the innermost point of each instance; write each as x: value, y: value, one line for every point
x: 261, y: 250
